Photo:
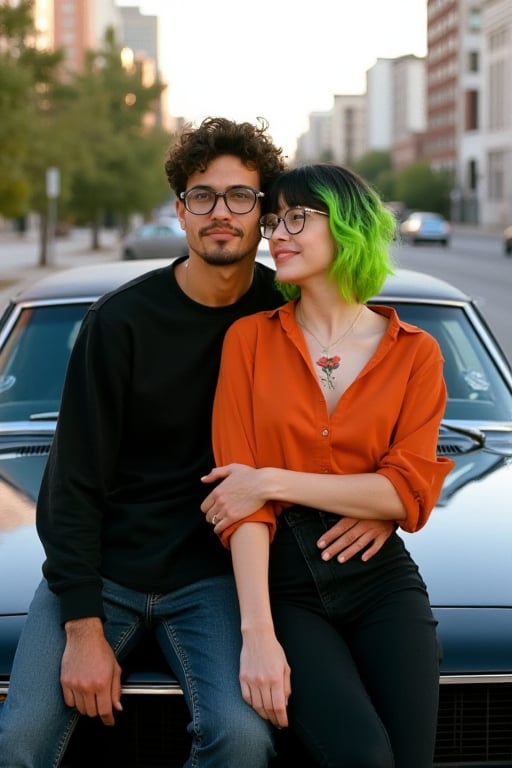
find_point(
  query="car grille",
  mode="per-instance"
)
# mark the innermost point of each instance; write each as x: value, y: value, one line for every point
x: 474, y: 725
x: 474, y: 729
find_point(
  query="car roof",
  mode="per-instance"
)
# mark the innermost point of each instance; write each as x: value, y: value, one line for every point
x: 92, y: 281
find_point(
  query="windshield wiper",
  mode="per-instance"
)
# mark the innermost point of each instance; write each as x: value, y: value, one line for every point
x: 480, y: 438
x: 474, y: 434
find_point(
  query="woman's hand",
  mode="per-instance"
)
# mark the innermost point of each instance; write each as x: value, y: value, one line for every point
x: 265, y: 676
x: 237, y: 496
x: 349, y: 536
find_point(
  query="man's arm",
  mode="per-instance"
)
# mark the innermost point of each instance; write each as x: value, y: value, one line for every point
x: 240, y: 495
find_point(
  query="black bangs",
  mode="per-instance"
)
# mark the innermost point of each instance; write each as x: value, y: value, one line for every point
x: 295, y: 187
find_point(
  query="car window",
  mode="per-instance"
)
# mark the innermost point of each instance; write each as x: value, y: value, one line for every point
x: 476, y: 389
x: 34, y: 358
x: 148, y: 230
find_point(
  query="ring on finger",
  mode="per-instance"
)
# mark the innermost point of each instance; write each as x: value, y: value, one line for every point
x: 214, y: 520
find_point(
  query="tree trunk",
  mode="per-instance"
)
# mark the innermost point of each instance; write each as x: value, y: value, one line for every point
x: 43, y: 241
x: 95, y: 231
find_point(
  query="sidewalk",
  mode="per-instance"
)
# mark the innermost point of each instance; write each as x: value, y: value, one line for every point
x: 19, y: 255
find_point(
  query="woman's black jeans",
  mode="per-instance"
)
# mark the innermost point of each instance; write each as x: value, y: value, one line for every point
x: 361, y: 642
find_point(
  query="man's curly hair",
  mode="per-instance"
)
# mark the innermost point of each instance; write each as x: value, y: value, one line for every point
x: 195, y: 148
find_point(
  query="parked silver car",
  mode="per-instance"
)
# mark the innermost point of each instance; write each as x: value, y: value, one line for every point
x: 162, y: 239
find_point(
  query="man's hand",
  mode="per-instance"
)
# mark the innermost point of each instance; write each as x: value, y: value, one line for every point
x: 90, y: 675
x: 237, y: 496
x: 349, y: 536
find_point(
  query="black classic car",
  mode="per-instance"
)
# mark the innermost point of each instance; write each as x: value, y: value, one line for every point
x: 464, y: 551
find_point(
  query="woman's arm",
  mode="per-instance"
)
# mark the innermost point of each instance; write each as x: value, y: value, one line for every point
x: 264, y: 671
x: 245, y: 489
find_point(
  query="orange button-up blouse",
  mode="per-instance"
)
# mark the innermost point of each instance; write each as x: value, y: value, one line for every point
x: 269, y: 410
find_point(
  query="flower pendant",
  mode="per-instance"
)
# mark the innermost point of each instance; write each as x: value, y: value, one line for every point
x: 328, y: 365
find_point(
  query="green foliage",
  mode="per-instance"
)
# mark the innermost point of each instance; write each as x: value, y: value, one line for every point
x: 118, y: 158
x: 375, y: 167
x: 372, y: 164
x: 421, y: 188
x: 96, y: 127
x: 28, y: 78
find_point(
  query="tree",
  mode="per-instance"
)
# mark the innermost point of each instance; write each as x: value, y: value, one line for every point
x: 29, y: 136
x: 375, y: 168
x: 119, y: 152
x: 421, y: 188
x: 26, y: 75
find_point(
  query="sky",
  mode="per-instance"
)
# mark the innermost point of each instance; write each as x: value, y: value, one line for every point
x: 278, y: 59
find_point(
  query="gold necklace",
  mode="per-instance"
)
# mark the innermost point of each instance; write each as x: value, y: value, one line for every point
x: 327, y: 363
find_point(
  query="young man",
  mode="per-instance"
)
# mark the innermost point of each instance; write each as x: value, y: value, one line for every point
x: 127, y: 547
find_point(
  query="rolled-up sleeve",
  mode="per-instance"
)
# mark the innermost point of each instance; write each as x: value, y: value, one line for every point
x: 270, y: 410
x: 233, y: 419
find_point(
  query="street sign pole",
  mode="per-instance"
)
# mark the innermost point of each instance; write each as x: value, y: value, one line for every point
x: 52, y: 193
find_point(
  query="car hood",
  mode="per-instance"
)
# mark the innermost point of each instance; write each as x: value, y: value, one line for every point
x: 22, y: 461
x: 463, y: 551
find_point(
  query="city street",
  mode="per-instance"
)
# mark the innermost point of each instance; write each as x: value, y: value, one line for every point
x: 474, y: 262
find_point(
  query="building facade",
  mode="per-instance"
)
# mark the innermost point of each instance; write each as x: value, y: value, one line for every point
x: 348, y: 135
x: 495, y: 187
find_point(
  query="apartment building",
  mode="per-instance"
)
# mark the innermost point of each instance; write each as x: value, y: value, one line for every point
x: 348, y: 134
x: 442, y: 80
x: 495, y: 180
x: 80, y: 25
x: 409, y: 116
x: 469, y: 169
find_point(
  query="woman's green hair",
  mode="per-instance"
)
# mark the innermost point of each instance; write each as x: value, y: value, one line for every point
x: 361, y: 226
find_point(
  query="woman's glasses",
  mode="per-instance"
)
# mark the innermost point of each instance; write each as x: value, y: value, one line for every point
x: 294, y: 220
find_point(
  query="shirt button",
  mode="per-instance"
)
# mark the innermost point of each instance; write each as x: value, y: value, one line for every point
x: 325, y: 432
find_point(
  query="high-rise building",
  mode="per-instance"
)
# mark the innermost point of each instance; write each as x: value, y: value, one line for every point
x: 80, y: 25
x: 443, y: 24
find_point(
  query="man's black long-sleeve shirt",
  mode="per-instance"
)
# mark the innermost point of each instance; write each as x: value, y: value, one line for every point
x: 121, y: 493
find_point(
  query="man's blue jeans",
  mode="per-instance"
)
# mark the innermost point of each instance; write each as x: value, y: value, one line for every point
x: 198, y: 629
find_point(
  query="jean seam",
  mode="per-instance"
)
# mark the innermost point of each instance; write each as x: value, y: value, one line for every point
x: 174, y: 641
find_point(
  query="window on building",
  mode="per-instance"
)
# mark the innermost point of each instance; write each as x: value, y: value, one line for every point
x: 472, y: 175
x: 474, y: 61
x: 474, y: 20
x: 471, y: 112
x: 495, y: 162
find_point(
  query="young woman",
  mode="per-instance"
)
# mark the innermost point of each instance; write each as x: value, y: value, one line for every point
x: 327, y: 407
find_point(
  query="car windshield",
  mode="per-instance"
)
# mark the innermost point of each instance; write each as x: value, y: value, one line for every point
x: 36, y: 343
x: 33, y: 360
x: 476, y: 388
